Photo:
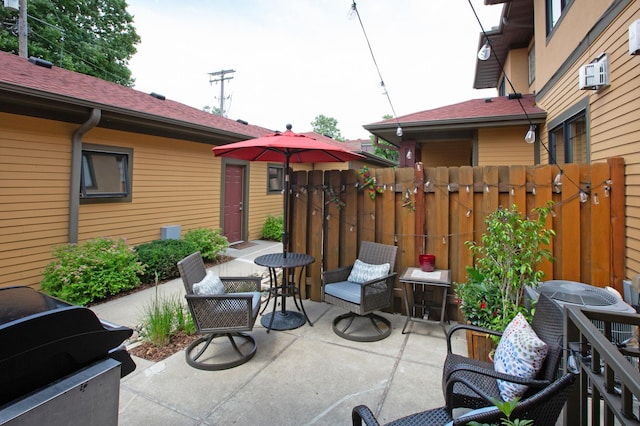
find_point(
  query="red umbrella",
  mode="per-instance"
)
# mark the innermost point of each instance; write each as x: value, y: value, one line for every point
x: 287, y: 147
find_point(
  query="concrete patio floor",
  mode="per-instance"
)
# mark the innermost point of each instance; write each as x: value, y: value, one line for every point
x: 305, y: 376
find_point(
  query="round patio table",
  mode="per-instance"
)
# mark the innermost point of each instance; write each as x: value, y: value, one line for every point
x: 283, y: 319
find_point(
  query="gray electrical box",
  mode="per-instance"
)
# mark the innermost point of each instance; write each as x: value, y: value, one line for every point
x: 170, y: 232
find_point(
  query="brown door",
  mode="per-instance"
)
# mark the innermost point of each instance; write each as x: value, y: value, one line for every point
x: 233, y: 202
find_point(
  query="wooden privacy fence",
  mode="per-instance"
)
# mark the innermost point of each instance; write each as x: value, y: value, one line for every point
x: 435, y: 210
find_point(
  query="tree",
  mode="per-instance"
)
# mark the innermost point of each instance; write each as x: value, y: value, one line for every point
x: 213, y: 110
x: 385, y: 153
x: 327, y: 126
x: 93, y: 37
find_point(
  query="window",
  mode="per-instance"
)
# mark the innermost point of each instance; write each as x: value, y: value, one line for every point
x: 568, y: 141
x: 275, y: 178
x: 531, y: 61
x: 502, y: 90
x: 106, y: 173
x: 554, y: 9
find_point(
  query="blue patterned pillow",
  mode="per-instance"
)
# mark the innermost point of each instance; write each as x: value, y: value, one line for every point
x: 519, y: 353
x: 363, y: 272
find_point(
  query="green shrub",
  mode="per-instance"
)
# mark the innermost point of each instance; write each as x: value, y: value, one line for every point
x: 161, y: 256
x: 92, y: 271
x: 273, y: 228
x: 210, y: 243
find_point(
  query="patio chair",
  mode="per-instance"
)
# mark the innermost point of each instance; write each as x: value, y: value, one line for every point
x: 363, y: 288
x: 471, y: 383
x: 543, y: 408
x: 218, y: 315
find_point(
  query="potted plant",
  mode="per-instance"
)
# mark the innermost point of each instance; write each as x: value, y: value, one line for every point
x: 505, y: 261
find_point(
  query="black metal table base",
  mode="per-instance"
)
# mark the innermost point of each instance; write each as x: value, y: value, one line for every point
x: 282, y: 319
x: 287, y: 320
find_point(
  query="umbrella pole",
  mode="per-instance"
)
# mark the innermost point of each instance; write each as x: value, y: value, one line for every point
x: 287, y: 189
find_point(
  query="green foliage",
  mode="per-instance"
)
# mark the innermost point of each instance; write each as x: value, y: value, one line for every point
x: 94, y: 270
x: 505, y: 262
x: 163, y: 317
x: 389, y: 154
x: 507, y: 408
x: 273, y: 228
x: 161, y: 258
x: 327, y: 126
x: 210, y: 243
x: 93, y: 37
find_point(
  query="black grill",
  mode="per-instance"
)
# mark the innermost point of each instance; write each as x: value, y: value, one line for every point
x: 44, y: 339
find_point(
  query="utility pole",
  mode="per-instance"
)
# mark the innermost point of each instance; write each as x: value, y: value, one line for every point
x: 219, y: 76
x: 22, y: 29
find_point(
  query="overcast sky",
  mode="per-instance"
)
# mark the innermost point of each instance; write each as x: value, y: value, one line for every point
x: 296, y: 59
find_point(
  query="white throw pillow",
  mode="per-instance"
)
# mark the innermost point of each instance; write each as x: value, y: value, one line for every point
x: 210, y: 284
x: 519, y: 353
x: 363, y: 272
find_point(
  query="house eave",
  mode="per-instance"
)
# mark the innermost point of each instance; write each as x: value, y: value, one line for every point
x: 40, y: 104
x: 387, y: 131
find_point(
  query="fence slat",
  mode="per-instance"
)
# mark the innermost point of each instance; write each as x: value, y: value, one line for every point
x: 600, y: 234
x: 570, y: 227
x: 331, y: 220
x: 299, y: 222
x: 314, y: 236
x: 349, y: 218
x: 543, y: 176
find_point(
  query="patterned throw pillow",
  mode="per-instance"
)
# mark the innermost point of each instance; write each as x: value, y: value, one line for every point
x: 210, y: 284
x: 519, y: 353
x: 363, y: 272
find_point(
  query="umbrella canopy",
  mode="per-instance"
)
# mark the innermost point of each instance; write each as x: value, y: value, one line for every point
x: 286, y: 147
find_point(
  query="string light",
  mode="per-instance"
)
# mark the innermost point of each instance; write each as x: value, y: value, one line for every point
x: 485, y: 51
x: 583, y: 197
x: 530, y: 137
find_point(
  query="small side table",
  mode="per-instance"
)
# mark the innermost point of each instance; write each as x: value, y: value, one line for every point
x: 413, y: 277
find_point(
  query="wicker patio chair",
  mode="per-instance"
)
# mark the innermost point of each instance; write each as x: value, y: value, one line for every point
x: 471, y: 383
x: 543, y: 408
x: 362, y: 298
x: 219, y: 315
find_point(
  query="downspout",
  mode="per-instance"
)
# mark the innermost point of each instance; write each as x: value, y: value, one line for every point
x: 76, y: 170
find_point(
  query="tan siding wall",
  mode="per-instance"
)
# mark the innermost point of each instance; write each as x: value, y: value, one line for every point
x: 34, y: 200
x: 570, y: 32
x: 446, y: 153
x: 504, y: 147
x: 261, y: 202
x: 613, y: 112
x: 516, y: 69
x: 174, y: 183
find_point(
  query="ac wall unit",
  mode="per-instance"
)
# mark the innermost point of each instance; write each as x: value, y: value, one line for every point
x: 595, y: 75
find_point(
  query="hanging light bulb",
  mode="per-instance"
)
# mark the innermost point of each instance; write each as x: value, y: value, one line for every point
x: 353, y: 11
x: 399, y: 131
x: 485, y: 51
x: 531, y: 135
